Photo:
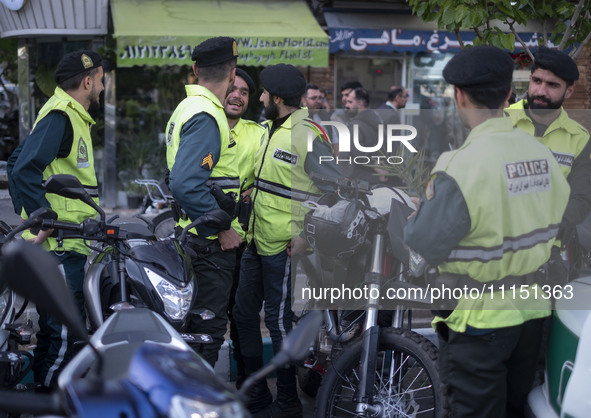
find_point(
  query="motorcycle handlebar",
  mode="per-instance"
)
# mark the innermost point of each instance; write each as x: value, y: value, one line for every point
x: 346, y: 184
x: 31, y: 403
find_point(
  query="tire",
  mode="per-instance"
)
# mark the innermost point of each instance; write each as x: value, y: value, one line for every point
x: 418, y: 392
x: 164, y: 225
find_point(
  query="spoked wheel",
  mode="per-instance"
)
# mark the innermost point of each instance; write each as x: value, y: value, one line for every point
x: 406, y: 379
x: 164, y: 225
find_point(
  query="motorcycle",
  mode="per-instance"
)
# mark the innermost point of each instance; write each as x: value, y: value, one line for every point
x: 379, y: 366
x: 567, y: 370
x: 14, y: 363
x: 159, y: 200
x: 129, y: 266
x: 135, y: 364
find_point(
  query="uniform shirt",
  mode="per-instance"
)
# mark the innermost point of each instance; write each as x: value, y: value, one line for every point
x: 264, y: 229
x: 443, y: 223
x: 188, y: 182
x: 248, y: 136
x: 52, y: 138
x: 576, y: 167
x: 444, y: 217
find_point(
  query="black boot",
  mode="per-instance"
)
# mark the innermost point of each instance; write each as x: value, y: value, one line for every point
x: 259, y: 396
x: 287, y: 404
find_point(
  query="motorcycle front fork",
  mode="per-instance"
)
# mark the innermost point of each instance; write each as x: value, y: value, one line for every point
x: 365, y: 390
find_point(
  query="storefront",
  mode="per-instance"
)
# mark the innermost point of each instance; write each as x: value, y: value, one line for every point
x: 148, y: 46
x: 385, y: 49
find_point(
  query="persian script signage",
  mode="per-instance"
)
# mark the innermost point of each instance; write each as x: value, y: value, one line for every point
x: 391, y: 40
x: 252, y: 51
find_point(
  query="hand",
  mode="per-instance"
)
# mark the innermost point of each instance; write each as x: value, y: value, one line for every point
x: 296, y: 246
x: 229, y: 239
x: 417, y: 202
x: 41, y: 236
x: 247, y: 193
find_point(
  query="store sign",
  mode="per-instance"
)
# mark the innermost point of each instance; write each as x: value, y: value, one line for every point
x: 13, y: 4
x: 391, y: 40
x: 252, y: 51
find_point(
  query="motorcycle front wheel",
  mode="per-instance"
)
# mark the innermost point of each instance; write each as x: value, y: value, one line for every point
x: 406, y: 379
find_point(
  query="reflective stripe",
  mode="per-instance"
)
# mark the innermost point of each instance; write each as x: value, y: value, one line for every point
x: 514, y: 244
x: 284, y: 297
x: 63, y: 346
x: 224, y: 182
x: 284, y: 191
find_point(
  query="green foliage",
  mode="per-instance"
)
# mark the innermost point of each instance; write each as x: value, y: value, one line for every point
x: 44, y: 79
x: 483, y: 16
x: 8, y: 58
x: 138, y: 147
x: 414, y: 171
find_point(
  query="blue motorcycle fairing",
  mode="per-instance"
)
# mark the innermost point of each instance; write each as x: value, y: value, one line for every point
x: 162, y: 372
x: 117, y: 399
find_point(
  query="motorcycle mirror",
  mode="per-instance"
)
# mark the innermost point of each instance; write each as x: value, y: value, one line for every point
x: 69, y: 186
x: 32, y: 273
x: 294, y: 348
x: 297, y: 343
x: 216, y: 219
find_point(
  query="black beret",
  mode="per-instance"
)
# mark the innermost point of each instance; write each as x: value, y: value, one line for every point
x: 479, y: 66
x: 214, y: 51
x: 75, y: 63
x: 241, y: 73
x: 283, y: 80
x: 558, y: 62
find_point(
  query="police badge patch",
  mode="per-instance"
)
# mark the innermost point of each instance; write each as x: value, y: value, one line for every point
x: 82, y: 157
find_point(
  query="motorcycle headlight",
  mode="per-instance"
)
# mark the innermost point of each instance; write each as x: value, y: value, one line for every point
x: 181, y: 407
x: 177, y: 301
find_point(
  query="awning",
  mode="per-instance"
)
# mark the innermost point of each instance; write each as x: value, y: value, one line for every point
x: 164, y: 32
x: 393, y: 32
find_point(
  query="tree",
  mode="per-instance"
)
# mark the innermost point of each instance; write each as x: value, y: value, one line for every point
x: 569, y: 22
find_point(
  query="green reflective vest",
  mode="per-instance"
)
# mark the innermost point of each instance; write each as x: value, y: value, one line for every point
x: 281, y: 185
x: 79, y: 162
x: 516, y: 195
x: 565, y: 137
x: 225, y: 172
x: 248, y: 136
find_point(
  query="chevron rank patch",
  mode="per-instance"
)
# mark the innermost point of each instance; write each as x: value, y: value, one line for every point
x: 207, y: 162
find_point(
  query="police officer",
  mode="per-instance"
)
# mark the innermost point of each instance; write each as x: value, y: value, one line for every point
x: 248, y: 135
x: 552, y: 78
x: 282, y: 182
x: 60, y: 143
x: 480, y: 222
x: 201, y: 157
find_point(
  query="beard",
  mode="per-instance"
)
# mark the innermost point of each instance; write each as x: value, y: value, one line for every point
x: 94, y: 97
x: 548, y: 104
x: 272, y: 110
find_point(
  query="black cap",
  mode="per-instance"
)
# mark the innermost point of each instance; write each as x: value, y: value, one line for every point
x: 558, y: 62
x: 215, y: 51
x: 241, y: 73
x: 75, y: 63
x: 283, y: 80
x: 479, y: 66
